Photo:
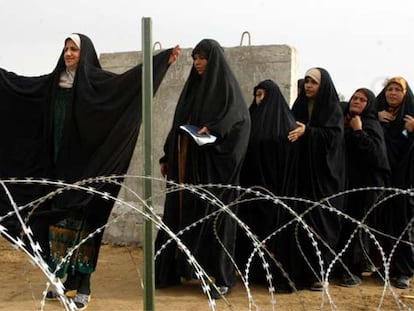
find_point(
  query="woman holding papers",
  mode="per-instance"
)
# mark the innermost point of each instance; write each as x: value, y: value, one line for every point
x: 212, y: 100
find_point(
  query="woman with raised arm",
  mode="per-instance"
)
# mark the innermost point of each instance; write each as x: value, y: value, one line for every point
x: 75, y: 123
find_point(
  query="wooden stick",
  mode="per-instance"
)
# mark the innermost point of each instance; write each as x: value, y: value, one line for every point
x: 407, y: 296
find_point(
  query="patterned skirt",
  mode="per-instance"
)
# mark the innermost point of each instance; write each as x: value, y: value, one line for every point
x: 67, y: 256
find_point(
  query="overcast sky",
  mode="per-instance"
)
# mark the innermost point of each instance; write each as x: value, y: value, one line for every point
x: 360, y: 42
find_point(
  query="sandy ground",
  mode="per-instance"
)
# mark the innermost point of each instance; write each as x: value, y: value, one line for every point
x: 116, y: 285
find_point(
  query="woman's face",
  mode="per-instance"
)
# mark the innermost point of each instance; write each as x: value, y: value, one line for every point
x: 200, y: 63
x: 394, y: 95
x: 259, y: 95
x: 311, y: 87
x: 358, y: 103
x: 71, y: 54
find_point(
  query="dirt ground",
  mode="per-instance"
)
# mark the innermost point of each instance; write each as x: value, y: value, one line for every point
x: 116, y: 285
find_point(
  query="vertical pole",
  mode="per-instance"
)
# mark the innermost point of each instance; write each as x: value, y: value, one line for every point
x: 147, y: 94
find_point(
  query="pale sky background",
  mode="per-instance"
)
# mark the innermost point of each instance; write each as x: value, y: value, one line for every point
x: 360, y: 42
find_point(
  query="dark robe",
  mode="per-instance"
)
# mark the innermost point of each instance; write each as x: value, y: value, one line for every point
x: 213, y: 100
x: 102, y: 122
x: 271, y: 164
x: 398, y: 211
x: 367, y: 166
x: 321, y: 173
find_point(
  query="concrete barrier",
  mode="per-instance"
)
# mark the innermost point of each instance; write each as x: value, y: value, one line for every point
x: 251, y: 64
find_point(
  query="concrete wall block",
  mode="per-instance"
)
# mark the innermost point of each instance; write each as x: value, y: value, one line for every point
x: 250, y: 64
x: 125, y: 226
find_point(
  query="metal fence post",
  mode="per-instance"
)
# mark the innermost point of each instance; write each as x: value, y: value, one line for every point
x: 147, y: 95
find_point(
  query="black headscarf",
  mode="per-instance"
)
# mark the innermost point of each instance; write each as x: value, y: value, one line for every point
x: 325, y: 110
x: 273, y: 118
x: 362, y: 145
x: 322, y: 145
x: 270, y: 154
x: 213, y: 100
x: 397, y: 142
x: 101, y: 125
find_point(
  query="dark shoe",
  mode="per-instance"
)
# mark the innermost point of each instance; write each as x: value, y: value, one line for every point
x: 167, y: 283
x: 316, y: 287
x: 81, y: 301
x: 370, y: 268
x: 402, y: 282
x: 53, y: 295
x: 283, y: 289
x: 350, y: 280
x: 222, y: 291
x: 379, y: 274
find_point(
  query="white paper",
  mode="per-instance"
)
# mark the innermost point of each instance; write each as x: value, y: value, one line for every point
x: 200, y: 139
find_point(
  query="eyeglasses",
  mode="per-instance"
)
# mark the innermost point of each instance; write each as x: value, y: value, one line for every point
x: 361, y: 99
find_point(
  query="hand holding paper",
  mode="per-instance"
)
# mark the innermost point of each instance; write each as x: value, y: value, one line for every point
x: 200, y: 139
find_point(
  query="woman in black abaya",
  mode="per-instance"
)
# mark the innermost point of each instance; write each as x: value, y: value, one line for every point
x: 395, y: 105
x: 270, y: 163
x: 212, y: 100
x: 367, y: 166
x: 320, y: 134
x: 75, y: 123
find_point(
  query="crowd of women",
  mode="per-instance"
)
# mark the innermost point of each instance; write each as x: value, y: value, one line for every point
x: 359, y: 146
x: 327, y: 173
x: 291, y: 222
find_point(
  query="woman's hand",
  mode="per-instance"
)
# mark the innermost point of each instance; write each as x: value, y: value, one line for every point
x: 355, y: 123
x: 409, y: 123
x: 204, y: 130
x: 174, y: 54
x: 385, y: 116
x: 297, y: 132
x: 164, y: 169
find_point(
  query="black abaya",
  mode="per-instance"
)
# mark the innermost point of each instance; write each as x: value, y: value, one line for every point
x: 399, y: 211
x: 321, y: 173
x: 270, y: 163
x: 102, y: 123
x: 367, y: 166
x: 214, y: 100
